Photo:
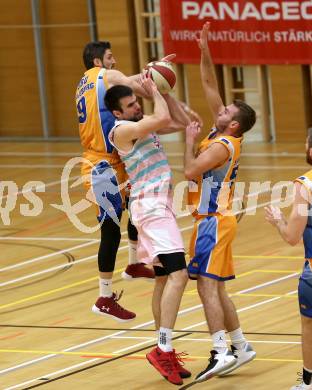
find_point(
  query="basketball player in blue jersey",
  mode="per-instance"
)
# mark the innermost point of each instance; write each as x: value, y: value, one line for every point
x: 298, y: 226
x: 212, y: 171
x: 105, y: 172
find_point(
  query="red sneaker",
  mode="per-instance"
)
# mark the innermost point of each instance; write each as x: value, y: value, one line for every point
x: 108, y: 306
x: 179, y: 363
x: 165, y: 363
x: 139, y: 270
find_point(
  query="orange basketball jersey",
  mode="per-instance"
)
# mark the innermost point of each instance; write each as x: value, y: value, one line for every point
x: 213, y: 191
x: 95, y: 121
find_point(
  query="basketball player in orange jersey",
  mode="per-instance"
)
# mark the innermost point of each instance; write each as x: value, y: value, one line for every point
x: 211, y: 172
x: 298, y: 226
x: 105, y: 171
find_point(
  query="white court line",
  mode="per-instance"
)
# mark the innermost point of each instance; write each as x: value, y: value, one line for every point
x: 27, y: 166
x: 51, y: 269
x: 250, y: 341
x: 256, y: 167
x: 121, y: 248
x: 206, y: 339
x: 135, y: 345
x: 172, y: 166
x: 47, y: 238
x: 94, y: 341
x: 35, y: 259
x: 170, y: 154
x: 270, y: 167
x: 269, y: 283
x: 73, y: 348
x: 238, y: 311
x: 77, y: 261
x: 52, y: 373
x: 39, y: 154
x: 51, y: 184
x: 249, y: 154
x: 273, y: 154
x: 182, y: 215
x: 97, y: 340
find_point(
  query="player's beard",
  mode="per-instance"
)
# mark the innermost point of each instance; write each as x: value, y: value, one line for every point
x: 137, y: 117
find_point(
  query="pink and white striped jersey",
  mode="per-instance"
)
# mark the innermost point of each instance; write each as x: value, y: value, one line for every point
x: 146, y: 165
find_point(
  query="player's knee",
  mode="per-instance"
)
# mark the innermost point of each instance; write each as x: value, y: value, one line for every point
x: 110, y: 239
x: 179, y: 278
x: 110, y: 231
x: 160, y: 273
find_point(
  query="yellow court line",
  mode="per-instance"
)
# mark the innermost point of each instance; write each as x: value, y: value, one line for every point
x: 84, y: 353
x: 278, y: 360
x: 244, y: 274
x: 42, y: 352
x: 264, y: 295
x: 53, y: 291
x: 267, y: 257
x: 116, y: 272
x: 273, y: 271
x: 193, y: 292
x: 278, y: 271
x: 267, y: 271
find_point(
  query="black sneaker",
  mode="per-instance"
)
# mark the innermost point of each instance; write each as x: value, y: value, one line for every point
x: 217, y: 362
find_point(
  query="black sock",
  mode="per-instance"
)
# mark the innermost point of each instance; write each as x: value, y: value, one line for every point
x: 306, y: 376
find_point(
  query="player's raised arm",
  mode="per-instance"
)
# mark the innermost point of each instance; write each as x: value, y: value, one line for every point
x: 135, y: 129
x: 208, y: 76
x: 160, y: 117
x: 115, y: 77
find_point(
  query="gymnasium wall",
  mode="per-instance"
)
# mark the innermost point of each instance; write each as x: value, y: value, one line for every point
x: 20, y: 113
x: 19, y: 103
x: 288, y: 100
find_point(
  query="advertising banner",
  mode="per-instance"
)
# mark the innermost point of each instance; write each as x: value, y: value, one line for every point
x: 241, y: 32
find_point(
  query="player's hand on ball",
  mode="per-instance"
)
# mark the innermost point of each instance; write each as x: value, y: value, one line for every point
x: 148, y: 84
x: 192, y: 132
x: 163, y: 75
x: 194, y: 116
x: 169, y: 57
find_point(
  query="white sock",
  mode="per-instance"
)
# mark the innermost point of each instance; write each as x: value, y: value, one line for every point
x: 219, y: 341
x: 132, y: 252
x: 164, y: 339
x: 105, y: 287
x: 237, y: 338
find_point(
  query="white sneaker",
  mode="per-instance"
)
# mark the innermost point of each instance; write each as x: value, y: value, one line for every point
x: 242, y: 356
x: 217, y: 362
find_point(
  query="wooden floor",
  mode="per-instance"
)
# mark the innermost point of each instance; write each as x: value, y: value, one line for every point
x: 49, y: 336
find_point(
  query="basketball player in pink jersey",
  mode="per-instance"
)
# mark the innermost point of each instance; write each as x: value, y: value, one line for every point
x: 105, y: 171
x: 105, y: 168
x: 151, y: 196
x: 211, y: 171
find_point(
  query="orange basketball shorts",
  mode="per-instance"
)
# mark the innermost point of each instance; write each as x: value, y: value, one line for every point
x: 211, y: 247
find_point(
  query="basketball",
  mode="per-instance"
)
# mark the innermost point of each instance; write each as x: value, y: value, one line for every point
x: 163, y: 74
